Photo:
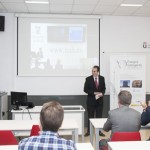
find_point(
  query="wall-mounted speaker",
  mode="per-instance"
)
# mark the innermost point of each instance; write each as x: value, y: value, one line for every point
x: 2, y: 23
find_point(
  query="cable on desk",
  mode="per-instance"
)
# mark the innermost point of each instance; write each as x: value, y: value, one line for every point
x: 29, y: 114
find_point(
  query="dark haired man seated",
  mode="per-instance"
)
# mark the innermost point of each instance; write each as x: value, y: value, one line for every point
x: 51, y: 117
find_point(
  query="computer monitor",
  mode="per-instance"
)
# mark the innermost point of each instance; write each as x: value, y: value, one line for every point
x: 19, y: 99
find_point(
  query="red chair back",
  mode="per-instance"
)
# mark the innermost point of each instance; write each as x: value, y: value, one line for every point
x: 35, y: 130
x: 7, y: 138
x: 126, y: 136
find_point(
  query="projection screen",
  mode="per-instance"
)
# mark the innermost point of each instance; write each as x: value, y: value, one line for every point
x: 57, y: 47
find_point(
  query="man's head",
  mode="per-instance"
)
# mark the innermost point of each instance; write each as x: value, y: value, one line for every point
x: 95, y: 71
x: 124, y: 98
x: 51, y: 116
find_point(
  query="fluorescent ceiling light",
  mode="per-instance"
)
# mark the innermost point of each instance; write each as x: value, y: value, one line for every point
x: 37, y: 1
x: 132, y: 5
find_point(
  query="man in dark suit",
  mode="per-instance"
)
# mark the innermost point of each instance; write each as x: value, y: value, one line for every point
x: 95, y: 88
x: 145, y: 116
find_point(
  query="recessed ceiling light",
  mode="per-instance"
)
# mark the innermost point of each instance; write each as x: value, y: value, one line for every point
x: 37, y: 1
x: 132, y: 5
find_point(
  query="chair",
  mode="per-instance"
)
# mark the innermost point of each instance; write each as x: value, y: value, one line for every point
x: 126, y: 136
x: 7, y: 138
x: 35, y: 130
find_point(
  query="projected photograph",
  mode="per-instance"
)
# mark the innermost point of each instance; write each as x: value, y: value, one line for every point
x: 124, y: 83
x: 76, y: 34
x: 57, y: 34
x: 65, y: 34
x: 137, y: 83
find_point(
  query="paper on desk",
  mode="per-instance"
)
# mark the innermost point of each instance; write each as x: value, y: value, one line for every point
x: 98, y: 96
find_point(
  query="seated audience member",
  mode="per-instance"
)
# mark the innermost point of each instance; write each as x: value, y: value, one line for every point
x: 145, y: 116
x: 51, y: 117
x: 122, y: 119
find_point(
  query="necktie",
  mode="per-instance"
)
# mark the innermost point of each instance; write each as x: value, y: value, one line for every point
x: 96, y: 83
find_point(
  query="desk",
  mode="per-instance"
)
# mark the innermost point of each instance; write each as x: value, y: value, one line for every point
x: 80, y: 146
x: 137, y: 145
x: 8, y: 147
x: 98, y: 124
x: 74, y: 111
x: 84, y: 146
x: 23, y: 127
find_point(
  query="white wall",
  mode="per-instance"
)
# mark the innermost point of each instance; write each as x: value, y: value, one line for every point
x: 124, y: 35
x: 118, y: 34
x: 7, y: 44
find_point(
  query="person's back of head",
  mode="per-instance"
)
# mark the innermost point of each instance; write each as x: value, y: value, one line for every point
x: 51, y: 116
x: 124, y: 98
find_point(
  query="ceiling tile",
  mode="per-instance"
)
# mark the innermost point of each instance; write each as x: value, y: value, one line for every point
x: 15, y: 7
x: 83, y: 8
x: 82, y: 13
x: 102, y: 7
x: 60, y: 8
x: 101, y: 13
x: 126, y: 10
x: 134, y: 1
x: 107, y: 9
x: 86, y: 2
x: 12, y: 1
x: 61, y: 2
x: 38, y: 8
x: 110, y: 2
x: 144, y: 10
x: 147, y: 4
x: 1, y: 7
x: 122, y: 14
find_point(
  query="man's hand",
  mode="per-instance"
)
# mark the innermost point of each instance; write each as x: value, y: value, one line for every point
x: 95, y: 93
x: 98, y: 95
x: 143, y: 105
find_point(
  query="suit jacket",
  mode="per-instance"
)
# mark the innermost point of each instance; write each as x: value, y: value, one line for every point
x: 123, y: 119
x: 90, y: 88
x: 145, y: 117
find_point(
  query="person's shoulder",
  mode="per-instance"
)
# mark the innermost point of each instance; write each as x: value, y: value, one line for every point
x: 134, y: 111
x: 148, y: 109
x: 89, y: 77
x: 102, y: 77
x: 66, y: 142
x: 113, y: 111
x: 29, y: 139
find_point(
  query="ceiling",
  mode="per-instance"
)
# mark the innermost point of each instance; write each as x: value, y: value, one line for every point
x: 82, y: 7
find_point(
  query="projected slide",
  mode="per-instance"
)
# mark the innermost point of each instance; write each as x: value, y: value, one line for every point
x: 56, y: 49
x: 56, y: 46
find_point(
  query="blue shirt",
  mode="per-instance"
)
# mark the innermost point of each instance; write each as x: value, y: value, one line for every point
x: 47, y: 140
